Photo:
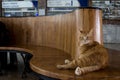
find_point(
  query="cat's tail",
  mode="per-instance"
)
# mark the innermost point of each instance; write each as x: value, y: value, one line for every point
x: 70, y: 65
x: 80, y: 71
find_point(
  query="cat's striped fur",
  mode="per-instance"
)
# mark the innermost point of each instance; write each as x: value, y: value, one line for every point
x: 92, y: 56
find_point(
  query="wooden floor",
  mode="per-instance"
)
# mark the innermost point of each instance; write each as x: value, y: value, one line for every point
x: 14, y: 73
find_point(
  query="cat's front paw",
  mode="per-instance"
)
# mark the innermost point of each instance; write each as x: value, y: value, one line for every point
x: 67, y: 61
x: 78, y: 71
x: 59, y: 66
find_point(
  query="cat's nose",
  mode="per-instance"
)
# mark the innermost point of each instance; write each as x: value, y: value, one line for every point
x: 85, y: 38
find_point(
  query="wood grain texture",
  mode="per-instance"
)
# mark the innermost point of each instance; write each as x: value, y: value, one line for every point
x: 45, y: 59
x: 52, y: 31
x: 57, y: 31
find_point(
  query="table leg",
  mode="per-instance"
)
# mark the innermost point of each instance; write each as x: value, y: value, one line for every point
x: 13, y: 59
x: 26, y: 58
x: 3, y: 62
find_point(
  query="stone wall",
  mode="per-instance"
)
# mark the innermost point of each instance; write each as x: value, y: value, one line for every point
x: 111, y: 33
x: 0, y: 7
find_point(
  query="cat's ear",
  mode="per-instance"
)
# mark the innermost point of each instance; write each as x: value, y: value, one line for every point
x: 91, y: 32
x: 81, y: 31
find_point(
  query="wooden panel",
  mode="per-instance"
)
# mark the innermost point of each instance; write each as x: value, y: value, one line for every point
x: 55, y: 31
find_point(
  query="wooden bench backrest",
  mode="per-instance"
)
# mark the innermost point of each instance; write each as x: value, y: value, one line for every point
x: 56, y: 31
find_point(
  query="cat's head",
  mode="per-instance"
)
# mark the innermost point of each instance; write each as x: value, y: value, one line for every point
x: 85, y: 37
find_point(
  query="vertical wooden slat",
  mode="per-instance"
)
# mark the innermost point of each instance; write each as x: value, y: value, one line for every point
x: 98, y: 34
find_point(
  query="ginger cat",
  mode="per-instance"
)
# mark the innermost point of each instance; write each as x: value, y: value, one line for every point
x: 92, y: 56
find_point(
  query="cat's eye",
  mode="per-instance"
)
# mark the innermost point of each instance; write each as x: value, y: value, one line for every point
x: 86, y: 38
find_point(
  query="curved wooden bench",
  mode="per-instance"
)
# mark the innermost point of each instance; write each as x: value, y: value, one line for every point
x: 59, y: 31
x: 51, y: 39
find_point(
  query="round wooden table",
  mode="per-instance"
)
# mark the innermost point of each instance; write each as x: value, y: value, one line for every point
x: 45, y: 64
x: 45, y: 59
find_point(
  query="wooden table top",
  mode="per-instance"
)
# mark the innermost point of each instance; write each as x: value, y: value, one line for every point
x: 45, y: 59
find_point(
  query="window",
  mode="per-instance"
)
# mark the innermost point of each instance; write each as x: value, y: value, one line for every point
x: 16, y: 8
x: 19, y: 8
